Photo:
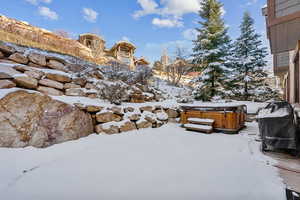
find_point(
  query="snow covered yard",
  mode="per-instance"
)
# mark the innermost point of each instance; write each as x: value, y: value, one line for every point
x: 165, y: 163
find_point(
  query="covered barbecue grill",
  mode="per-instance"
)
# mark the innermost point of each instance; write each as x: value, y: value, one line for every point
x: 277, y: 126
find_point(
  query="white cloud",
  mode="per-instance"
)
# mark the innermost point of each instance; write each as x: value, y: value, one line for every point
x: 90, y: 15
x: 47, y: 13
x: 124, y: 38
x: 171, y: 11
x: 36, y: 2
x: 251, y: 2
x: 190, y: 34
x: 148, y: 7
x: 169, y: 23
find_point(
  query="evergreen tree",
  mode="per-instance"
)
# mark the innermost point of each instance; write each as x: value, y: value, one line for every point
x: 248, y: 68
x: 210, y: 52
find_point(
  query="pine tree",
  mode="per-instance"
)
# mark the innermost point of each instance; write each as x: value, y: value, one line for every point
x: 249, y: 64
x: 211, y: 51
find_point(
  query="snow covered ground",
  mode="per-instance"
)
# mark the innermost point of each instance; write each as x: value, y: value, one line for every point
x: 164, y: 163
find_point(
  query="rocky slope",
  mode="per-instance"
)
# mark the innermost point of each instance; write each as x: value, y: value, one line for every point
x: 40, y: 106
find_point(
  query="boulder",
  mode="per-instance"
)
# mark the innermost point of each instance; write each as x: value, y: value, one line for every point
x: 150, y: 117
x: 51, y: 83
x: 75, y: 68
x: 93, y: 109
x: 8, y: 50
x: 103, y: 117
x: 117, y: 110
x: 19, y: 58
x: 4, y: 75
x: 50, y: 91
x: 133, y: 116
x: 146, y: 108
x: 143, y: 124
x: 162, y: 116
x: 159, y: 124
x: 32, y: 119
x: 35, y: 74
x: 71, y: 85
x: 107, y: 128
x: 22, y: 68
x: 80, y: 81
x: 60, y: 77
x: 92, y: 96
x: 31, y: 64
x: 80, y: 106
x: 90, y: 86
x: 6, y: 84
x: 26, y: 82
x: 38, y: 59
x: 98, y: 128
x: 75, y: 92
x: 172, y: 113
x: 54, y: 64
x: 128, y: 109
x: 128, y: 126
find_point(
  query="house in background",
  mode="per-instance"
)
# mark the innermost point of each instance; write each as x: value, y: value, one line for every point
x: 122, y: 52
x: 283, y: 31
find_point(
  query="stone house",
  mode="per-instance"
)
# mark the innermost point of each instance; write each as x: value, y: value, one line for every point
x: 122, y: 52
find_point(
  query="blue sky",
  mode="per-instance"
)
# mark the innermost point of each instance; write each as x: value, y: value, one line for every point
x: 150, y: 24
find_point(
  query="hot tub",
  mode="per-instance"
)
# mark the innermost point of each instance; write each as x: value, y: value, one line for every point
x: 228, y: 117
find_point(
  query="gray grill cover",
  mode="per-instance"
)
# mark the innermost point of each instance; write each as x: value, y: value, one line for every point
x: 279, y: 132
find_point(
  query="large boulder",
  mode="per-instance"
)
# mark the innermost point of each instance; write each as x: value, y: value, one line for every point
x: 71, y: 85
x: 54, y: 64
x: 103, y: 117
x: 172, y: 113
x: 4, y: 75
x: 38, y: 59
x: 80, y: 81
x: 127, y: 126
x: 26, y: 82
x: 32, y: 119
x: 19, y: 58
x: 59, y: 76
x: 51, y: 83
x: 6, y: 84
x: 50, y: 91
x: 7, y: 49
x: 75, y: 92
x: 108, y: 128
x: 93, y: 109
x: 35, y: 74
x: 142, y: 123
x: 146, y: 108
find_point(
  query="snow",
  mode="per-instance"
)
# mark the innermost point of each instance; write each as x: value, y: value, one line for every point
x: 267, y: 113
x: 162, y: 116
x: 201, y: 120
x: 4, y: 92
x: 164, y: 163
x: 53, y: 71
x: 197, y: 126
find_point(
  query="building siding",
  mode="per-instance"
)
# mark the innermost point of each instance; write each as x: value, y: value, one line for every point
x: 286, y: 7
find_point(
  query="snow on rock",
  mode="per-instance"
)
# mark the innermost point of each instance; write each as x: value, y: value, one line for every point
x: 162, y: 116
x: 165, y: 163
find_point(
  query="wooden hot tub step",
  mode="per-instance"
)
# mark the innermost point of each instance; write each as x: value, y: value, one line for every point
x: 199, y: 128
x: 201, y: 121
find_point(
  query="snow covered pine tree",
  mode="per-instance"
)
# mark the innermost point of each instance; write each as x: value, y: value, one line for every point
x: 248, y: 68
x: 210, y: 52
